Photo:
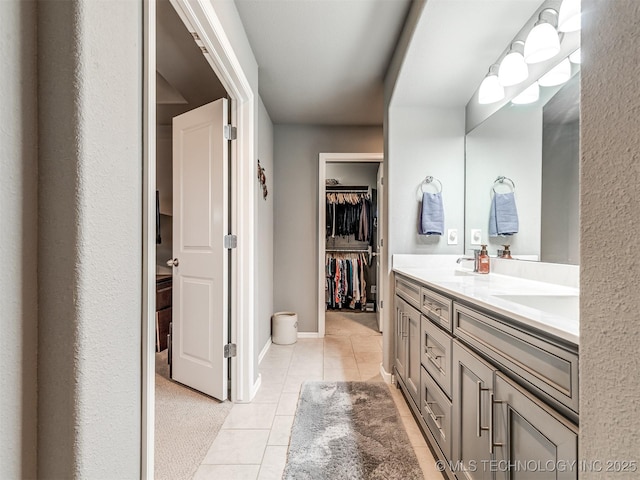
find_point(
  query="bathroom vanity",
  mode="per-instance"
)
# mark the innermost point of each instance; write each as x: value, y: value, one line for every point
x: 489, y: 366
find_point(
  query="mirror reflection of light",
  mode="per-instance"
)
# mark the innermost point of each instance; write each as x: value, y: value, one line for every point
x: 530, y: 95
x: 576, y: 57
x: 557, y: 75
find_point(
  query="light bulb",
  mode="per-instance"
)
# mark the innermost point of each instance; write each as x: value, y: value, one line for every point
x: 490, y: 90
x: 569, y: 16
x: 576, y: 57
x: 557, y: 75
x: 513, y: 69
x: 529, y: 95
x: 542, y: 42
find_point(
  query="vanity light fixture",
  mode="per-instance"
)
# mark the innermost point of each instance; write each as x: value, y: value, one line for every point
x: 542, y: 42
x: 569, y: 16
x: 557, y: 75
x: 490, y: 90
x: 513, y: 69
x: 530, y: 95
x: 576, y: 57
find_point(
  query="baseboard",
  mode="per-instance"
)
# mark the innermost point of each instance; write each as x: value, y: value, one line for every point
x: 386, y: 376
x: 256, y: 387
x: 308, y: 335
x: 264, y: 351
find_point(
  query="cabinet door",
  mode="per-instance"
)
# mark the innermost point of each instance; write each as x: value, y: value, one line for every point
x: 412, y: 380
x: 399, y: 341
x: 533, y: 441
x: 472, y: 385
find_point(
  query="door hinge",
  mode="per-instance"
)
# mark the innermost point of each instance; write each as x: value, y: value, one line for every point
x: 381, y: 180
x: 230, y: 241
x: 230, y: 350
x: 381, y: 304
x: 230, y: 133
x: 382, y: 242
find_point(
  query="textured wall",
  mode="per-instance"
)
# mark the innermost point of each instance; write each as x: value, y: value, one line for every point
x: 610, y: 240
x: 89, y: 239
x: 18, y: 237
x: 264, y: 235
x: 296, y: 152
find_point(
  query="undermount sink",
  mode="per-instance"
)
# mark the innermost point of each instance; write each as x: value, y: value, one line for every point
x: 462, y: 273
x: 563, y: 305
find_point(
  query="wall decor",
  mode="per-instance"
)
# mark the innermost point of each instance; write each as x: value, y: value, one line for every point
x: 263, y: 180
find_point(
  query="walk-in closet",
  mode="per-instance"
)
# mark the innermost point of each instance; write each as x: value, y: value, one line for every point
x: 350, y: 244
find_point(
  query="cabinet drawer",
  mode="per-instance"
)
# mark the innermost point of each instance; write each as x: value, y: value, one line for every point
x: 435, y: 354
x: 436, y: 410
x: 409, y: 291
x: 163, y: 297
x: 436, y: 307
x: 552, y: 370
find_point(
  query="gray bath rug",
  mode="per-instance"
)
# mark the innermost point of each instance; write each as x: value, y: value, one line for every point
x: 349, y: 430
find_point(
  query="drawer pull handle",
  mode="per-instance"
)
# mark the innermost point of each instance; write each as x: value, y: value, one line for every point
x: 433, y: 416
x: 492, y: 442
x: 433, y: 358
x: 479, y: 426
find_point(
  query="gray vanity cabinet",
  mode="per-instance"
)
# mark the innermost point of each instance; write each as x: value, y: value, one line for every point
x: 472, y: 389
x: 495, y: 400
x: 533, y: 441
x: 407, y: 343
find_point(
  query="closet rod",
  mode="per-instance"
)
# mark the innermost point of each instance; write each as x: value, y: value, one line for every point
x: 346, y: 189
x: 349, y: 250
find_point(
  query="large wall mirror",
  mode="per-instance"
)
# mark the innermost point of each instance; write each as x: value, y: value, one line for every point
x: 536, y: 148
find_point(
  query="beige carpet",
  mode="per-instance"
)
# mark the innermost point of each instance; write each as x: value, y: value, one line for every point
x: 187, y: 422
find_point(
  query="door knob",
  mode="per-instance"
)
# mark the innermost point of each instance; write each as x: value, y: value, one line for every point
x: 172, y: 262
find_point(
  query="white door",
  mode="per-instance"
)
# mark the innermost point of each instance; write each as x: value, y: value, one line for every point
x: 380, y: 248
x: 200, y: 269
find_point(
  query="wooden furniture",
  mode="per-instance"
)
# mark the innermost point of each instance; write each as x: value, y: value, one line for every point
x: 164, y: 285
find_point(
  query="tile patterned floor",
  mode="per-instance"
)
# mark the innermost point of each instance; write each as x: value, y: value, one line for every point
x: 253, y: 441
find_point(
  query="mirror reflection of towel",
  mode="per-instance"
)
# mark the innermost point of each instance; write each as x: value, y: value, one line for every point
x: 431, y: 214
x: 503, y: 216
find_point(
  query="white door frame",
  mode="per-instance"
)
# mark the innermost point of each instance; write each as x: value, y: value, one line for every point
x: 200, y: 17
x: 325, y: 158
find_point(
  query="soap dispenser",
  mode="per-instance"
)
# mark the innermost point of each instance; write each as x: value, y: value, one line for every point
x: 506, y: 253
x: 483, y: 260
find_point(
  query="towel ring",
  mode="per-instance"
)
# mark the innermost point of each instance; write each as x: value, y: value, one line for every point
x: 502, y: 179
x: 429, y: 180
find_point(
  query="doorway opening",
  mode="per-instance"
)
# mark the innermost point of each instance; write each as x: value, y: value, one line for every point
x: 191, y: 374
x: 351, y: 193
x: 195, y: 64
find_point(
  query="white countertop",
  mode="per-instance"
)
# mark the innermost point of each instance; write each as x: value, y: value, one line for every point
x: 558, y: 316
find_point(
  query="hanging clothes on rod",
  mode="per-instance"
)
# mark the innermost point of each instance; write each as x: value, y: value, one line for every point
x: 346, y: 285
x: 349, y: 213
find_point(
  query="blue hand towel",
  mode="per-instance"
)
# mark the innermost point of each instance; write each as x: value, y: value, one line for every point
x: 503, y: 216
x: 431, y: 214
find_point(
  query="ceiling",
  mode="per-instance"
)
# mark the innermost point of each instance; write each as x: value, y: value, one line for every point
x: 453, y: 46
x: 323, y: 61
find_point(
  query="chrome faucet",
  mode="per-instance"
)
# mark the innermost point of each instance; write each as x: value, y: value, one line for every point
x: 474, y: 259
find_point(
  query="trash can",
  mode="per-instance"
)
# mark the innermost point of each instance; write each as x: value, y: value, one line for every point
x: 284, y: 328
